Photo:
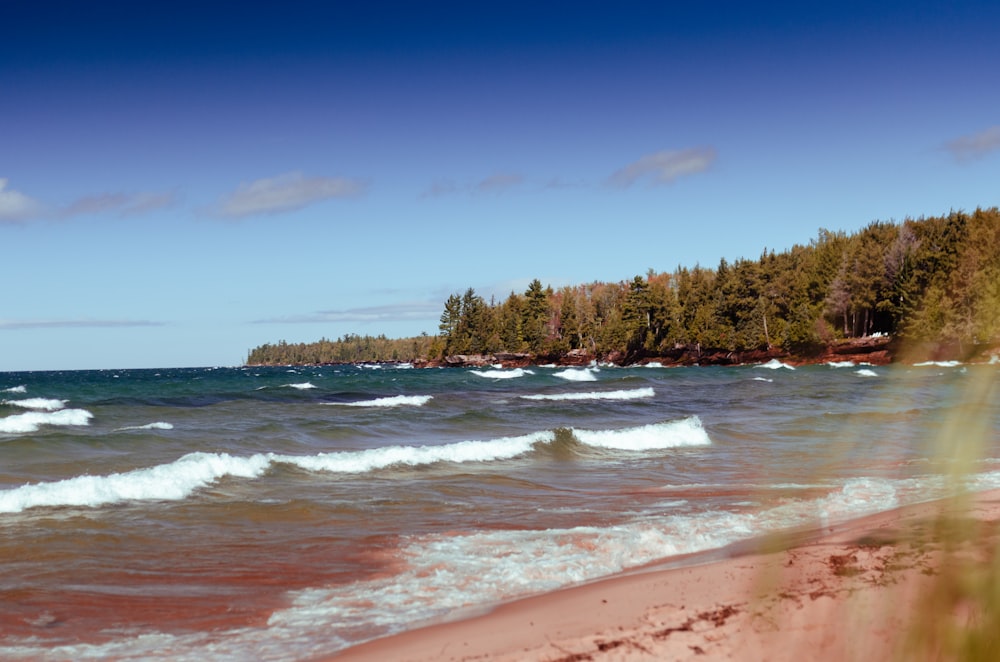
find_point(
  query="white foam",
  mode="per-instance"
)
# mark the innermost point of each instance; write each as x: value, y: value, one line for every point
x: 33, y: 420
x: 158, y: 425
x: 775, y: 364
x: 841, y: 364
x: 16, y: 389
x: 577, y: 374
x: 939, y: 364
x: 445, y: 573
x: 303, y: 386
x: 672, y: 434
x: 866, y: 372
x: 629, y: 394
x: 379, y: 458
x: 994, y: 360
x: 392, y: 401
x: 502, y: 374
x: 448, y: 572
x: 654, y: 364
x: 165, y: 482
x: 763, y: 379
x: 858, y: 496
x: 43, y: 404
x: 177, y: 480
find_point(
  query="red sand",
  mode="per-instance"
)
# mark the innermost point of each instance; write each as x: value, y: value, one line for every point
x: 854, y: 592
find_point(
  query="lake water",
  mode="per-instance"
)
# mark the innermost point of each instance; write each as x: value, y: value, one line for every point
x: 284, y: 513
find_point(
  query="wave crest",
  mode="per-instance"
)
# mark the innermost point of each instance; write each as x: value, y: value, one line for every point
x: 371, y: 459
x: 577, y: 374
x: 166, y: 482
x: 43, y: 404
x: 158, y: 425
x: 671, y: 434
x: 627, y: 394
x: 392, y: 401
x: 502, y: 374
x: 32, y: 421
x: 775, y: 364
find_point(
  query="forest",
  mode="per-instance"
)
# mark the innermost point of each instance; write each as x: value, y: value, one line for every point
x: 926, y: 282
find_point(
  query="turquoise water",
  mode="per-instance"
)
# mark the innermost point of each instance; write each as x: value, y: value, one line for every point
x: 280, y: 513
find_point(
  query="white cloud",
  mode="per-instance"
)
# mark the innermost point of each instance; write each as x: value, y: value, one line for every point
x: 399, y: 312
x: 15, y: 206
x: 284, y: 193
x: 664, y: 167
x: 975, y: 146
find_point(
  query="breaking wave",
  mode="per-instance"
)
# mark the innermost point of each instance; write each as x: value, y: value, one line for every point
x: 392, y: 401
x: 165, y: 482
x: 43, y: 404
x: 577, y: 374
x: 502, y: 374
x: 775, y: 364
x: 503, y: 448
x: 672, y: 434
x: 629, y: 394
x: 178, y: 479
x: 158, y: 425
x: 32, y: 421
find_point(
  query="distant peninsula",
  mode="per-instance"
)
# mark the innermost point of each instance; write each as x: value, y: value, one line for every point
x: 918, y: 290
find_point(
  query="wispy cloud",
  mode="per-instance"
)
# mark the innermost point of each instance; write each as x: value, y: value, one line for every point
x: 123, y: 204
x: 16, y: 206
x: 559, y: 184
x: 285, y: 193
x: 439, y: 188
x: 975, y: 146
x: 399, y: 312
x: 663, y: 167
x: 13, y: 325
x: 497, y: 183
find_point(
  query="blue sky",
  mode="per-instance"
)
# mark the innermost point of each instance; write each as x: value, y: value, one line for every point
x: 179, y: 184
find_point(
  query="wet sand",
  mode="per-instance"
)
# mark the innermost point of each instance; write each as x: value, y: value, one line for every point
x: 896, y: 585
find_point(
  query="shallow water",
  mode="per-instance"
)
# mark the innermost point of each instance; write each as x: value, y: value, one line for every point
x: 280, y: 513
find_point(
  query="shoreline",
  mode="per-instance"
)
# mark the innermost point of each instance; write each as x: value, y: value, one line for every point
x: 869, y: 588
x: 871, y: 350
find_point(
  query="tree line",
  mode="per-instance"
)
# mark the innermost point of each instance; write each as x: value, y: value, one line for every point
x: 934, y: 280
x: 350, y: 348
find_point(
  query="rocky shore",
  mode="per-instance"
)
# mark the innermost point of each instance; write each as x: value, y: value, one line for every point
x: 880, y: 350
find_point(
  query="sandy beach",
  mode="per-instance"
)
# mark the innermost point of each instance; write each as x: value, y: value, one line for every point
x: 912, y: 583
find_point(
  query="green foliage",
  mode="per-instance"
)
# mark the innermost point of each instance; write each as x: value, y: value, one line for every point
x: 927, y: 280
x: 348, y: 349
